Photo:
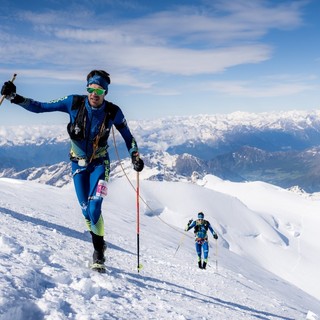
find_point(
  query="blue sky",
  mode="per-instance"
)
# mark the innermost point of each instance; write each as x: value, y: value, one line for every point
x: 165, y: 58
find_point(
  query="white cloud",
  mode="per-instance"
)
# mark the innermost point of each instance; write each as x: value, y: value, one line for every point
x: 186, y: 40
x: 261, y: 90
x: 197, y: 40
x: 191, y: 62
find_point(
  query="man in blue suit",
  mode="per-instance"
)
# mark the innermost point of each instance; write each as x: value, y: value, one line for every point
x: 91, y: 117
x: 201, y: 228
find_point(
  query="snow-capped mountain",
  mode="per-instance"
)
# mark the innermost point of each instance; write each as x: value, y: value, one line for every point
x: 298, y: 129
x: 57, y: 175
x: 280, y: 148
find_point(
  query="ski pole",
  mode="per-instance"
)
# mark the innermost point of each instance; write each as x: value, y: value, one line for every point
x: 217, y: 255
x: 139, y: 266
x: 182, y: 238
x: 3, y: 97
x: 180, y: 243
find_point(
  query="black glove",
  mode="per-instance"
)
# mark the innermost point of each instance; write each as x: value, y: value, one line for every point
x: 215, y: 236
x: 8, y: 90
x: 189, y: 222
x: 138, y: 163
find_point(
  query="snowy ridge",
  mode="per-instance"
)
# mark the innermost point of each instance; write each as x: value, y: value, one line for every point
x: 45, y: 249
x: 162, y: 133
x: 57, y: 175
x: 158, y: 166
x: 22, y: 135
x: 280, y: 148
x: 176, y: 130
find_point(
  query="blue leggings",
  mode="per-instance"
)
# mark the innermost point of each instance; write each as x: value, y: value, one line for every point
x: 205, y: 248
x: 85, y: 180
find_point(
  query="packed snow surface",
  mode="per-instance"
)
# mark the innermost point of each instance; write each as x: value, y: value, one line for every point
x: 265, y: 264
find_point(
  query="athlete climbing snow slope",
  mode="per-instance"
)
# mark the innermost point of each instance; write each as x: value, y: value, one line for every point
x: 201, y: 228
x: 90, y: 120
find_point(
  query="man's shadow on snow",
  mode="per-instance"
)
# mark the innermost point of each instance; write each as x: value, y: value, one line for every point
x: 83, y: 236
x: 140, y: 281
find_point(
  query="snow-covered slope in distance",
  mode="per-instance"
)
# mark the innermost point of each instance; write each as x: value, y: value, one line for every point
x: 288, y: 247
x: 44, y: 252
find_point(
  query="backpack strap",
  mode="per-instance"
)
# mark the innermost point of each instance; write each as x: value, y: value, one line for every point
x: 76, y: 130
x: 104, y: 131
x: 77, y: 102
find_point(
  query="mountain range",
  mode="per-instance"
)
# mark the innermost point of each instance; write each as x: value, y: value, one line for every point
x: 281, y: 148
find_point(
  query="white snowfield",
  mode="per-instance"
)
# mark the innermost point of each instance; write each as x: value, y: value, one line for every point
x: 265, y: 264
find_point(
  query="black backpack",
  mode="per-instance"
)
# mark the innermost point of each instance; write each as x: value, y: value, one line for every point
x: 76, y: 129
x: 205, y: 224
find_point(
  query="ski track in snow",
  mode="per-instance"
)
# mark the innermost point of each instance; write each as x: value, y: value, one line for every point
x: 45, y: 254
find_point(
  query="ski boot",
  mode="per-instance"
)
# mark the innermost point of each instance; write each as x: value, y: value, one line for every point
x: 98, y: 257
x: 99, y: 260
x: 204, y: 265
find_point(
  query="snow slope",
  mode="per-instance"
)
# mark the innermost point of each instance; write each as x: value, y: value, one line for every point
x: 45, y: 250
x: 292, y: 230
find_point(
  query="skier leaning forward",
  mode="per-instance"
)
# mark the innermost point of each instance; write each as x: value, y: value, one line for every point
x: 91, y: 118
x: 201, y: 227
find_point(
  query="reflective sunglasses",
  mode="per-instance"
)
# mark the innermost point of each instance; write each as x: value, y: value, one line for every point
x: 97, y: 91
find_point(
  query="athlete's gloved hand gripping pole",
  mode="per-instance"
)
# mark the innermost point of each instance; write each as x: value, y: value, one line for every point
x: 8, y: 90
x: 138, y: 163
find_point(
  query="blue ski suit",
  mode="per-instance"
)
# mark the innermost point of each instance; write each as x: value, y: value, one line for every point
x: 201, y: 227
x: 89, y: 164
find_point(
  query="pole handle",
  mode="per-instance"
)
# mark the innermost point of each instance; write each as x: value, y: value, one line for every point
x: 12, y: 80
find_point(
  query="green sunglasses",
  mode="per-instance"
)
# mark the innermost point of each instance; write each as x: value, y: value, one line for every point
x: 97, y: 91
